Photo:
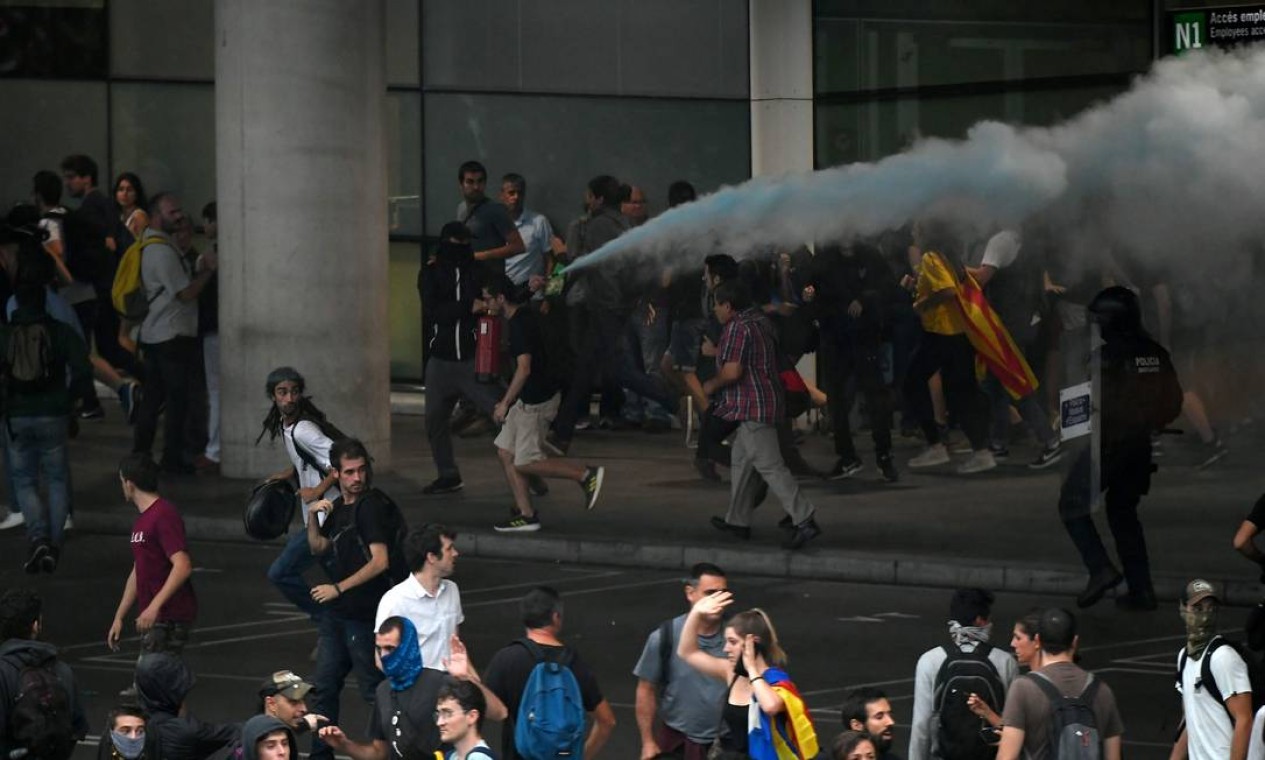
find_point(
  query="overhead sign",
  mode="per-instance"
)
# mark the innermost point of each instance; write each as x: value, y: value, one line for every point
x: 1215, y: 27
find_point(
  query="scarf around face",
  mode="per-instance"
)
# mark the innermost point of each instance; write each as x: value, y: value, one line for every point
x: 967, y: 637
x: 403, y: 666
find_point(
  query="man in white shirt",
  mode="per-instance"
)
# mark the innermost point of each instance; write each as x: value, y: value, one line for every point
x: 535, y: 230
x: 307, y: 437
x: 427, y: 597
x: 1213, y: 681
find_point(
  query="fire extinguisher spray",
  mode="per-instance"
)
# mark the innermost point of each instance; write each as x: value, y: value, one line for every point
x: 487, y: 350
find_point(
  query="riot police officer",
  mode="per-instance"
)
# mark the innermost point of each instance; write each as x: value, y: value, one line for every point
x: 1139, y: 396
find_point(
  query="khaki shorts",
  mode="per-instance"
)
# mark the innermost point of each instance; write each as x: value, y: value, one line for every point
x: 525, y: 428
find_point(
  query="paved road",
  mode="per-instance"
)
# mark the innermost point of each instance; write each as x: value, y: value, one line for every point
x: 838, y: 635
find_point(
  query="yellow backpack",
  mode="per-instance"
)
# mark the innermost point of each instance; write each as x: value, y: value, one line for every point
x: 128, y: 291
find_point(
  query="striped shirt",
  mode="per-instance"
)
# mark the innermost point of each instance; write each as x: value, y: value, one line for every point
x: 749, y: 340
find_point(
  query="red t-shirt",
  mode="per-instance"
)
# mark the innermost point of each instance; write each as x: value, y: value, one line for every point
x: 157, y: 534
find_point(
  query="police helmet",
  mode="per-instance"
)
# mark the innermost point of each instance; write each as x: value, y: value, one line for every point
x: 1116, y: 310
x: 270, y: 509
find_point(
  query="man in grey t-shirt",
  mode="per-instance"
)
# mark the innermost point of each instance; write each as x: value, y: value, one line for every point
x: 169, y: 333
x: 493, y: 235
x: 687, y: 703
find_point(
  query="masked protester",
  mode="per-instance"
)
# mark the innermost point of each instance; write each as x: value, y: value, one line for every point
x: 127, y: 740
x: 1212, y: 678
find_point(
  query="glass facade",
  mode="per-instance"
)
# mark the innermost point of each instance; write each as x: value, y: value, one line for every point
x: 886, y: 73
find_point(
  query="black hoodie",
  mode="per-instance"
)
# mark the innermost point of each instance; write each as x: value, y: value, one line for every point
x: 449, y: 284
x: 257, y: 728
x: 16, y: 654
x: 162, y: 683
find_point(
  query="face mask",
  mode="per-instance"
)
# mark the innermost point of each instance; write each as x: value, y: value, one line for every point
x: 129, y: 747
x: 403, y: 666
x: 1201, y: 626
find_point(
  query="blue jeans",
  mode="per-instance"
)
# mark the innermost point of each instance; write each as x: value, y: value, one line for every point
x: 647, y: 343
x: 286, y: 573
x: 38, y: 445
x: 345, y: 645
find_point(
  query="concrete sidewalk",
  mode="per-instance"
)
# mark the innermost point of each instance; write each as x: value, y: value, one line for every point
x: 998, y: 529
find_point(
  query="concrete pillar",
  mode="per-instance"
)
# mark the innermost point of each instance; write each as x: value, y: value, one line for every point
x: 782, y: 95
x: 781, y: 86
x: 301, y: 185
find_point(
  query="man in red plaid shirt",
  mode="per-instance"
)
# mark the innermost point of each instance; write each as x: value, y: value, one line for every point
x: 751, y: 394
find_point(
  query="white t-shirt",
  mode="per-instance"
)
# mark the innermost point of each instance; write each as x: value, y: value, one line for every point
x: 1208, y: 728
x: 1002, y: 249
x: 435, y: 617
x: 317, y: 444
x: 482, y: 744
x: 1256, y: 743
x: 53, y: 225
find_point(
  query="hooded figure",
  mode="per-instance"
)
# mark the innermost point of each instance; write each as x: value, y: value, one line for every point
x: 16, y: 654
x: 259, y: 727
x: 163, y: 682
x: 448, y: 285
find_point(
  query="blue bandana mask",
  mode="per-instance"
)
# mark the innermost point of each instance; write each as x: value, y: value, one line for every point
x: 128, y: 747
x: 404, y: 664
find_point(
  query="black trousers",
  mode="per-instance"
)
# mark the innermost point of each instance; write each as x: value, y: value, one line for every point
x: 1122, y: 496
x: 954, y: 358
x: 854, y: 366
x: 168, y: 370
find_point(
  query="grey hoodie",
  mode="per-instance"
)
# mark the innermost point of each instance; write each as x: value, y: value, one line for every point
x: 257, y: 728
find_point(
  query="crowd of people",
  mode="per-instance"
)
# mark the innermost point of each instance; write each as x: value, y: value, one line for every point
x: 518, y: 344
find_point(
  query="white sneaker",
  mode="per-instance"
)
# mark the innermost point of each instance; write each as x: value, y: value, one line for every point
x: 931, y: 456
x: 14, y: 520
x: 69, y: 524
x: 979, y: 462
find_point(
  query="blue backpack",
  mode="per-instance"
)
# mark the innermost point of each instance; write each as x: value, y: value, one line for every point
x: 550, y: 721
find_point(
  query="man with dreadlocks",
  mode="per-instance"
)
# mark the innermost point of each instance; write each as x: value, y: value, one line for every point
x: 308, y: 437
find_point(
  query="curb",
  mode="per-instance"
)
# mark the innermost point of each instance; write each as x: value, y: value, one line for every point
x: 834, y: 565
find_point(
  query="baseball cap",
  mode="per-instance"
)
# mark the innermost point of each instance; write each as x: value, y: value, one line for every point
x: 285, y: 683
x: 1198, y: 590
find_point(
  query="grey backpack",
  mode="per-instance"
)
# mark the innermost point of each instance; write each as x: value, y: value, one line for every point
x: 1073, y: 727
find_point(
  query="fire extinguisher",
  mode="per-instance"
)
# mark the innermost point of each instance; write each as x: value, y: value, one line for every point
x: 487, y: 350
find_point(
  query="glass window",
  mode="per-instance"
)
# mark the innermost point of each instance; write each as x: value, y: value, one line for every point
x: 868, y: 131
x: 64, y: 40
x: 166, y: 134
x: 404, y: 163
x: 55, y: 120
x: 172, y: 39
x: 404, y: 311
x: 855, y: 51
x: 402, y: 42
x: 647, y: 47
x: 559, y: 143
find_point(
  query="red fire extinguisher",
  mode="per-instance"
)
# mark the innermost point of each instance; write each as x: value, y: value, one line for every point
x: 487, y: 350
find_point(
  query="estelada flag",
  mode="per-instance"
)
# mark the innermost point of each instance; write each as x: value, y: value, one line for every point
x: 994, y: 348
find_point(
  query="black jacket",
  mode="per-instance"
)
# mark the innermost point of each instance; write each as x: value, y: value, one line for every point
x: 1140, y: 395
x: 449, y: 285
x: 162, y: 683
x: 839, y: 280
x: 16, y: 654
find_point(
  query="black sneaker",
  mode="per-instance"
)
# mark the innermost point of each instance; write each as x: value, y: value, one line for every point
x: 592, y: 485
x: 442, y: 486
x: 1048, y: 456
x: 737, y: 531
x: 804, y: 532
x: 1136, y: 601
x: 36, y: 559
x: 1000, y: 453
x: 519, y: 523
x: 537, y: 485
x: 91, y: 412
x: 845, y: 468
x: 888, y: 468
x: 706, y: 469
x: 1098, y: 585
x: 48, y: 563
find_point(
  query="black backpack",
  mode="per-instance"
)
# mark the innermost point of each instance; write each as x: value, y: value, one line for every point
x: 956, y: 730
x: 40, y: 719
x: 30, y: 364
x: 83, y: 246
x: 1255, y: 672
x: 397, y: 566
x: 1073, y: 726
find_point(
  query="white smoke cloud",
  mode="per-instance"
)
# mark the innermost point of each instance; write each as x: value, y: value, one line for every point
x: 1171, y: 172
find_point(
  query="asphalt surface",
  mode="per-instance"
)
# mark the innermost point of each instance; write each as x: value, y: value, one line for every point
x: 838, y: 635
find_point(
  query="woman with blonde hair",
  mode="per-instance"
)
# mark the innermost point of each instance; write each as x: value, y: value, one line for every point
x: 764, y: 715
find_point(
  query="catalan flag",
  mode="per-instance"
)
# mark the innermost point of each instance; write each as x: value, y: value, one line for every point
x: 995, y: 350
x: 789, y: 735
